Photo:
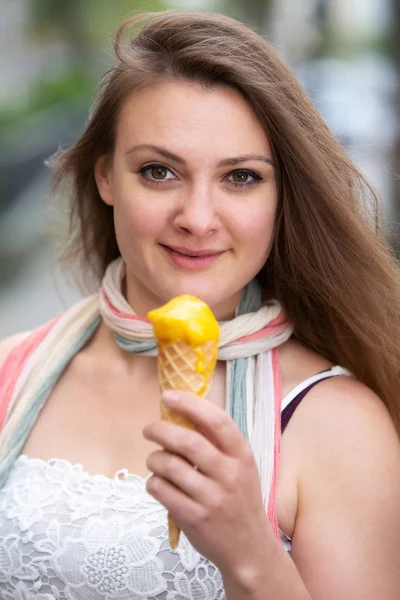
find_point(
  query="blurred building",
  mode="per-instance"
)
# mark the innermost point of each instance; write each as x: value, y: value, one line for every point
x: 335, y: 48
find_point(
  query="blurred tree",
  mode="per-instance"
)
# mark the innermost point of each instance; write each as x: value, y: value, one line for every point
x: 85, y: 28
x: 63, y: 19
x: 85, y: 24
x: 256, y: 13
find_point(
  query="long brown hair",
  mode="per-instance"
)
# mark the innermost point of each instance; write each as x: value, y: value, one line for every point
x: 330, y: 265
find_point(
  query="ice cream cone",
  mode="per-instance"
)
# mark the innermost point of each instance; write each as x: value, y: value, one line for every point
x: 187, y: 336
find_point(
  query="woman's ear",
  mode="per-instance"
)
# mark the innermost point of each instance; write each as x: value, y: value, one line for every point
x: 102, y: 175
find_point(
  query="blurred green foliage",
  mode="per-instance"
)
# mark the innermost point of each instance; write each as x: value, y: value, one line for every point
x: 97, y: 19
x: 86, y: 28
x: 255, y: 13
x: 73, y: 87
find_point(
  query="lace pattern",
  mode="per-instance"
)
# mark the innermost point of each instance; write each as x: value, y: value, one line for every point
x: 67, y: 534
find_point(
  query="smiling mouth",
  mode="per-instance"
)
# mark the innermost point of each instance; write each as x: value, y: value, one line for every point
x: 189, y: 260
x: 194, y: 252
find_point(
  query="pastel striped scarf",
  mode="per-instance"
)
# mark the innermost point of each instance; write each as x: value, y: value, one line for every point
x: 248, y: 344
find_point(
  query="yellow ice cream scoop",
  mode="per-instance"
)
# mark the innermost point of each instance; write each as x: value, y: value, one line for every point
x: 187, y: 335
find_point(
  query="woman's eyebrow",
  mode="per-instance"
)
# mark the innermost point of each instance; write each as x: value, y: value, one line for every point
x: 226, y: 162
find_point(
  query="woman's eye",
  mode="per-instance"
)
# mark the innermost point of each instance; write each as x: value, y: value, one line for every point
x: 244, y: 178
x: 155, y: 173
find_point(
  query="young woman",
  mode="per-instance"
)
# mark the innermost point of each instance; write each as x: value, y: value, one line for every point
x: 204, y: 169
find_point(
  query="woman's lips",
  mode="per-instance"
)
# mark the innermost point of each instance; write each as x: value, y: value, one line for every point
x: 191, y: 262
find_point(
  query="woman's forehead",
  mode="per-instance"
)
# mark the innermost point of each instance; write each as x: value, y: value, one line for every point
x: 185, y: 114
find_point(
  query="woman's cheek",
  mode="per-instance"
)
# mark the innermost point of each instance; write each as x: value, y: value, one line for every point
x: 142, y: 219
x: 254, y: 225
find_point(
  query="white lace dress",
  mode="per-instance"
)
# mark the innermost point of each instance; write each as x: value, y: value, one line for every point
x: 67, y: 534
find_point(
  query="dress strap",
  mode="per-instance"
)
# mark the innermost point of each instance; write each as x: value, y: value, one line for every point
x: 311, y: 380
x: 293, y: 399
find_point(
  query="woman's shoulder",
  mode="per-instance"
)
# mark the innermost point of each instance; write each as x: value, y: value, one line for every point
x: 339, y: 421
x: 9, y: 343
x: 334, y: 400
x: 345, y: 456
x: 338, y: 425
x: 341, y: 429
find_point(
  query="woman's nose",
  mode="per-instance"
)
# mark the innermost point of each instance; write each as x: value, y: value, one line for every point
x: 197, y: 214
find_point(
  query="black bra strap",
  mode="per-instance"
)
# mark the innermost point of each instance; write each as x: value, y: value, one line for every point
x: 288, y: 412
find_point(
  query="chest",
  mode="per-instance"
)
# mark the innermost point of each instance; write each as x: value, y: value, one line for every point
x: 97, y: 417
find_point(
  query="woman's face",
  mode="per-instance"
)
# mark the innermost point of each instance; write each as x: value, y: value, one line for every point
x: 192, y: 174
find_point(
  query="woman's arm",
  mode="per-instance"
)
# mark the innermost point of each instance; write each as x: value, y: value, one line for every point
x: 346, y: 542
x: 269, y: 575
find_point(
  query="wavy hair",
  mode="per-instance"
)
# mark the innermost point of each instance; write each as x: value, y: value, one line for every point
x: 330, y: 265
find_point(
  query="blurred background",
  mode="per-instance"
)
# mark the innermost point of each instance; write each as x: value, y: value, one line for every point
x: 345, y: 52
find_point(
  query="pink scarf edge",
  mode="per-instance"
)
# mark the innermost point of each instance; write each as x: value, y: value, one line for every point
x: 15, y: 361
x: 272, y: 516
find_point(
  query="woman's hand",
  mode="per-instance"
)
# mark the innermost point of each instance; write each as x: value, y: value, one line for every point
x: 218, y: 504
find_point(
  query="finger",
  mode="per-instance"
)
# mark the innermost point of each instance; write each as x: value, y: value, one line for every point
x: 210, y: 419
x: 184, y: 510
x: 180, y: 473
x: 191, y: 445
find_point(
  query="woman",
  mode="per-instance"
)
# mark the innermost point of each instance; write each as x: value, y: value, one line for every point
x: 204, y: 169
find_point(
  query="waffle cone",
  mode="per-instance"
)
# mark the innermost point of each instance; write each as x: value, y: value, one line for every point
x: 187, y: 335
x: 182, y: 366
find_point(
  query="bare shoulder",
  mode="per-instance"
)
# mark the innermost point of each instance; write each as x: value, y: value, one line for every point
x: 345, y: 403
x: 8, y: 343
x: 339, y: 417
x: 347, y: 463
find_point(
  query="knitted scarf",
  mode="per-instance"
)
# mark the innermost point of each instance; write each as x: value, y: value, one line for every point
x: 247, y: 343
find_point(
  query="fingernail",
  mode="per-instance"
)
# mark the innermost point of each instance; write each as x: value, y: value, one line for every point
x: 170, y: 397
